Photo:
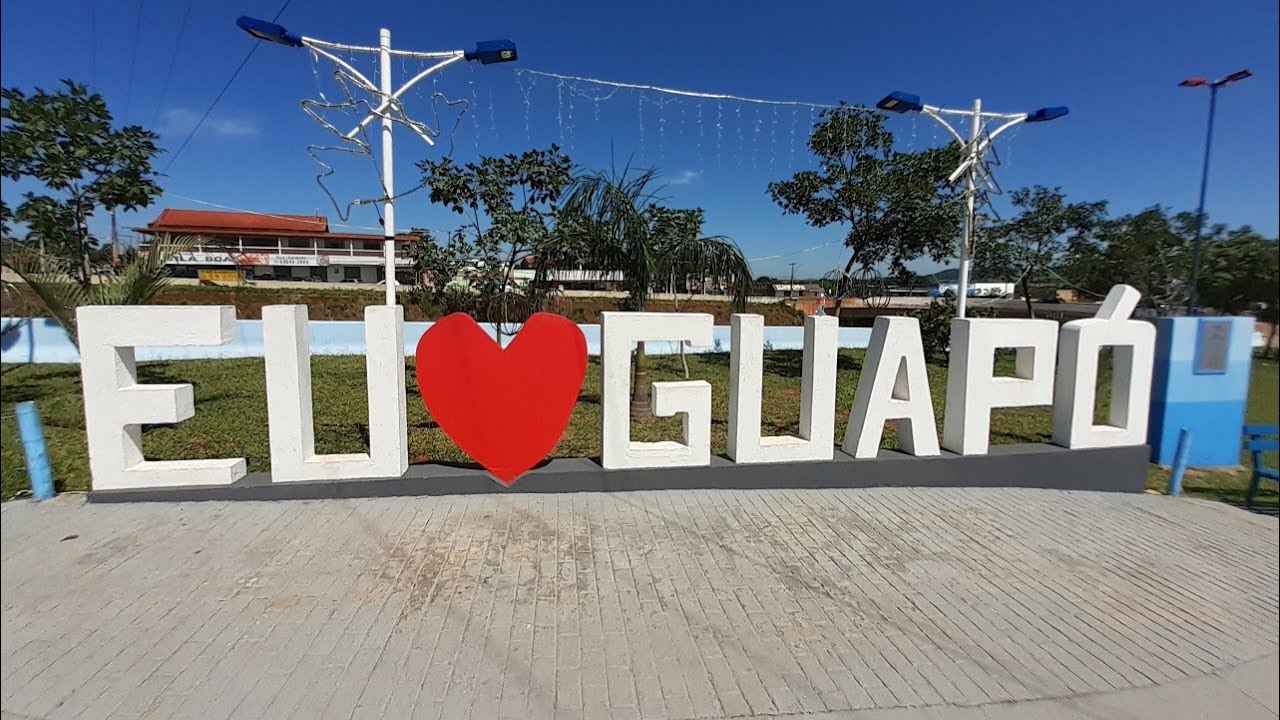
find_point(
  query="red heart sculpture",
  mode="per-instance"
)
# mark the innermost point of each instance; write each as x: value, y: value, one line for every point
x: 504, y: 408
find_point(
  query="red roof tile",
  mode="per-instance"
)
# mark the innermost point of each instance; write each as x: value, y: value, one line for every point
x: 215, y: 220
x: 215, y: 223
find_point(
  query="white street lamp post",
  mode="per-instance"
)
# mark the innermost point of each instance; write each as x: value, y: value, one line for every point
x: 975, y: 149
x: 487, y: 53
x: 388, y: 170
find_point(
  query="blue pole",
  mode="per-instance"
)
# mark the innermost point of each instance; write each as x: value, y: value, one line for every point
x: 33, y: 448
x: 1180, y: 462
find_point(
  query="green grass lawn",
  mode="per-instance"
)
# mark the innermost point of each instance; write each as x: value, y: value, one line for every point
x: 231, y: 414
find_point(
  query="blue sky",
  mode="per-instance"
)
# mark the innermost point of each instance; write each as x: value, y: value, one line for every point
x: 1133, y: 137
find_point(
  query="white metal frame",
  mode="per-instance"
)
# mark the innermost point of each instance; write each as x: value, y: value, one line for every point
x: 975, y: 148
x: 389, y: 97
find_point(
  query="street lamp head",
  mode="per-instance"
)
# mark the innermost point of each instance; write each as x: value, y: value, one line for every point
x: 1203, y: 82
x: 268, y: 31
x: 489, y: 52
x: 900, y: 102
x: 1234, y: 77
x: 1046, y: 114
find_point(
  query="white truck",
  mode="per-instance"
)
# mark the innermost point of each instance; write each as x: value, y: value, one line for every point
x: 983, y: 290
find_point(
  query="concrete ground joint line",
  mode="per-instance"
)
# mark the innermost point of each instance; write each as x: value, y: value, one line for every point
x: 839, y: 714
x: 828, y: 603
x: 6, y: 715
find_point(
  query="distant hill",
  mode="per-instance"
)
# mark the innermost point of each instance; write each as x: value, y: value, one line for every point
x: 948, y: 275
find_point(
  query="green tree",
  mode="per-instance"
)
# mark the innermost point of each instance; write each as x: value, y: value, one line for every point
x: 1241, y: 273
x: 510, y: 203
x: 436, y: 263
x: 616, y: 222
x: 1037, y: 237
x: 894, y: 205
x: 64, y: 140
x: 1150, y: 250
x: 6, y: 221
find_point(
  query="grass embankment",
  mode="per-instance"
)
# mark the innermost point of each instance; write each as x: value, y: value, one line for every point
x: 349, y: 304
x: 231, y: 414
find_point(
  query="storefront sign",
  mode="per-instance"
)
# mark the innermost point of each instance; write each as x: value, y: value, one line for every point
x: 274, y: 260
x: 293, y: 260
x: 203, y: 258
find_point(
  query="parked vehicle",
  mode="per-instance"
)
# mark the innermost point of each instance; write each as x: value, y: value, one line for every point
x: 982, y: 290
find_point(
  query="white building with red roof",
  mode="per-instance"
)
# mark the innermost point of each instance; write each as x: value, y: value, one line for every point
x: 275, y: 247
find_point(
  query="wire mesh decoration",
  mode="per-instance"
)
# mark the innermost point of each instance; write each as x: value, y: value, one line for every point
x: 865, y: 284
x: 509, y: 310
x: 357, y: 142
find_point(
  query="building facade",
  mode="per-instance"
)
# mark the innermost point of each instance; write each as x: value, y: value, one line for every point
x: 276, y: 247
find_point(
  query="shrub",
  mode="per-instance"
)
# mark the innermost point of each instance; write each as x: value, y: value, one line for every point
x: 935, y: 325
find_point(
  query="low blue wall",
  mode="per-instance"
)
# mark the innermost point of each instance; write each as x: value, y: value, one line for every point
x: 42, y: 340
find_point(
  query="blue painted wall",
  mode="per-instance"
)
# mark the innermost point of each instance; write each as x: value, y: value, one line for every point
x: 43, y: 341
x: 1212, y: 406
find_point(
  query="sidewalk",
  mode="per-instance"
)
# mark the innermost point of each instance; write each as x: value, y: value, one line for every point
x: 886, y: 603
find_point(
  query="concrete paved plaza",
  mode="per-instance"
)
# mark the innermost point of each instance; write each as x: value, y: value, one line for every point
x: 890, y: 603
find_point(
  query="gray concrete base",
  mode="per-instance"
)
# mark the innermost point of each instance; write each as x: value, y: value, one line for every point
x: 1120, y: 469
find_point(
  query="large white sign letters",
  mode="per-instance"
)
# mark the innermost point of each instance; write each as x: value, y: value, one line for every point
x: 691, y: 398
x: 116, y: 405
x: 289, y: 417
x: 1132, y: 344
x: 973, y: 388
x: 894, y: 387
x: 817, y: 396
x: 1054, y: 366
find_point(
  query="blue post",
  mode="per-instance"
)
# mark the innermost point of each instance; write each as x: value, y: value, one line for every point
x: 1180, y: 462
x: 33, y: 448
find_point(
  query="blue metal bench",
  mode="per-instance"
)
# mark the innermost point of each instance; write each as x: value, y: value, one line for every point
x: 1260, y: 439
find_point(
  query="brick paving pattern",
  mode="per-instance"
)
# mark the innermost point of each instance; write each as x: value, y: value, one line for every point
x: 679, y: 604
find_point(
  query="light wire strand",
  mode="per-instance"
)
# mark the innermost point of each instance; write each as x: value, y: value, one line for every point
x: 683, y: 93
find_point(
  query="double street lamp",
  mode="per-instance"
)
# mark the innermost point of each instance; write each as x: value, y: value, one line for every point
x: 486, y: 53
x: 1192, y: 296
x: 975, y: 150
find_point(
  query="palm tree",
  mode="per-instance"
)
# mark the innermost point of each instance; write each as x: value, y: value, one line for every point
x: 139, y: 281
x: 616, y: 222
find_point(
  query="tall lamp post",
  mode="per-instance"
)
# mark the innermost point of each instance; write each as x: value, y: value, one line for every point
x: 487, y: 53
x: 1192, y: 296
x: 975, y: 150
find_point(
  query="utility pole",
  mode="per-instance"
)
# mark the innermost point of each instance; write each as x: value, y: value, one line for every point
x: 115, y: 241
x: 792, y: 287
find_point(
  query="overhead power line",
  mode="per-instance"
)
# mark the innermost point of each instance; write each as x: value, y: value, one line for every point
x: 93, y: 45
x: 1072, y: 285
x: 797, y: 252
x: 173, y: 60
x: 178, y: 153
x: 133, y: 61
